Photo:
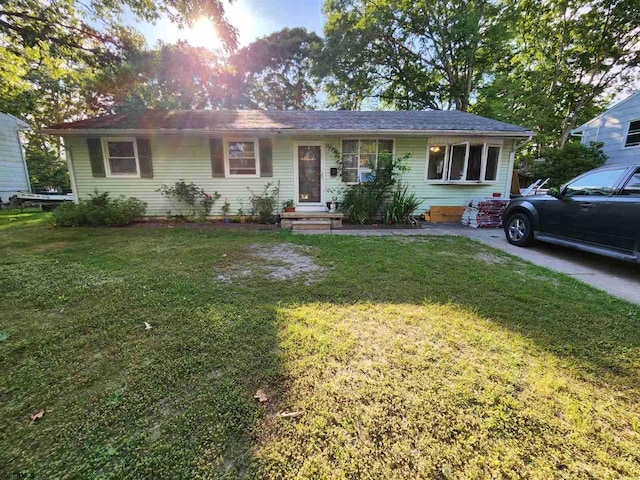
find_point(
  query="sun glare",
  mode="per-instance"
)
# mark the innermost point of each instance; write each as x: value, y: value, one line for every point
x: 202, y: 34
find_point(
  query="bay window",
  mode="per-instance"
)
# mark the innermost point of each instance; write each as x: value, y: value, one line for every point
x: 462, y: 163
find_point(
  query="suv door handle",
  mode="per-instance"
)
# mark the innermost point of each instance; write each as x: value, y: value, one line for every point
x: 586, y: 205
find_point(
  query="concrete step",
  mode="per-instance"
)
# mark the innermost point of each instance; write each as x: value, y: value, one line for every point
x: 299, y: 225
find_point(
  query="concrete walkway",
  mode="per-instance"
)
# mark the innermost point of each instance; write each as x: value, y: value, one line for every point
x: 620, y: 279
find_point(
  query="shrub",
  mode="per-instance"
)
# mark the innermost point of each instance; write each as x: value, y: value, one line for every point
x: 197, y: 201
x: 100, y: 210
x: 369, y: 201
x: 562, y: 164
x: 401, y: 206
x: 263, y: 204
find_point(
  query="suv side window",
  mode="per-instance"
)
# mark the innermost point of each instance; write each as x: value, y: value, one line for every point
x: 597, y: 183
x: 633, y: 185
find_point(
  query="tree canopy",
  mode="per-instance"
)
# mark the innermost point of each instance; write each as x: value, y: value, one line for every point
x: 548, y: 66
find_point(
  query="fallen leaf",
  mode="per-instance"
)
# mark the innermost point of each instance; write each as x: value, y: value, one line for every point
x: 224, y: 255
x: 290, y: 414
x: 261, y: 396
x: 36, y: 416
x: 147, y: 326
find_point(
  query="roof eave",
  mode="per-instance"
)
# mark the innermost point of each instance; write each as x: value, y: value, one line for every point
x: 286, y: 132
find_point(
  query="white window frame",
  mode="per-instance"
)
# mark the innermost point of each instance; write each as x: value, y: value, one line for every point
x: 444, y: 165
x: 105, y: 155
x: 464, y: 168
x: 446, y: 175
x: 256, y: 149
x: 624, y: 145
x: 360, y: 169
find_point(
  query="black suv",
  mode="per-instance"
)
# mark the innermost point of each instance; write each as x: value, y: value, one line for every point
x: 599, y: 212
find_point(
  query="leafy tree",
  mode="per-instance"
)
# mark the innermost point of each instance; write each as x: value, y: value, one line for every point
x: 568, y: 57
x: 410, y: 54
x: 273, y: 72
x: 562, y: 164
x: 172, y: 76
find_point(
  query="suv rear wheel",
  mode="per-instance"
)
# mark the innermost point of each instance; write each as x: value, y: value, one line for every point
x: 519, y: 230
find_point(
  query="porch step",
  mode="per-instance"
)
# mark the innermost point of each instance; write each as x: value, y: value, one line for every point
x: 319, y: 224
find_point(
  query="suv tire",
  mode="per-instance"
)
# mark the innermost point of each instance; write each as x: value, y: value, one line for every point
x: 519, y: 230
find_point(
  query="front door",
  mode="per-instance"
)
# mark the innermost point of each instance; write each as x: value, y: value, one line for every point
x: 309, y: 178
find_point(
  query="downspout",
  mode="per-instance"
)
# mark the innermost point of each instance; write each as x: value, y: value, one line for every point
x: 515, y: 146
x: 72, y: 174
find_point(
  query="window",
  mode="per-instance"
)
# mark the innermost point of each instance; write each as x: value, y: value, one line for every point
x: 633, y: 185
x: 597, y: 183
x: 491, y: 169
x: 121, y: 155
x: 436, y: 162
x: 360, y: 157
x: 463, y: 162
x: 242, y: 157
x: 633, y: 135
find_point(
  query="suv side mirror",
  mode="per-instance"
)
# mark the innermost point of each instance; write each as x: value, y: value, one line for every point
x: 554, y: 192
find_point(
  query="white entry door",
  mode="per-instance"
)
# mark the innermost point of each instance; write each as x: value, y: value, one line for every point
x: 309, y: 178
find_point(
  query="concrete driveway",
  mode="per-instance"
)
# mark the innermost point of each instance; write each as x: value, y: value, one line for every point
x: 617, y: 278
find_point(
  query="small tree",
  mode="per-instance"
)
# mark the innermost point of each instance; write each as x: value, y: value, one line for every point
x: 562, y: 164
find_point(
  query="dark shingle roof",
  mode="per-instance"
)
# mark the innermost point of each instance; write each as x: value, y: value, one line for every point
x: 292, y: 120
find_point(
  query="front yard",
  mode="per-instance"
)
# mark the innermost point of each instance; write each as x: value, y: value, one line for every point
x: 398, y: 358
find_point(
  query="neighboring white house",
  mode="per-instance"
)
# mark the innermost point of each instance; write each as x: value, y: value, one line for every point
x: 14, y: 176
x: 618, y: 128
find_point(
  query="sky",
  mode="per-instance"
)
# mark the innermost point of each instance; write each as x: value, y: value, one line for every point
x: 252, y: 18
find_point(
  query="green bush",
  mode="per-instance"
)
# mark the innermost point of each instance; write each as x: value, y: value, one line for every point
x: 562, y: 164
x: 100, y: 210
x: 400, y: 206
x: 189, y: 195
x: 263, y: 204
x: 369, y: 201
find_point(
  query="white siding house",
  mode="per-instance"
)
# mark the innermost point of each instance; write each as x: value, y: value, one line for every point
x: 14, y: 176
x: 618, y: 128
x: 452, y: 156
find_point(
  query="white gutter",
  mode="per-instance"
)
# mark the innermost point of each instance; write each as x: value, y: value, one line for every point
x: 284, y: 131
x: 72, y: 173
x: 512, y: 158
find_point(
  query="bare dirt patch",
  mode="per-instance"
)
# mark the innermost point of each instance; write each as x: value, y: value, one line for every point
x: 279, y: 262
x: 489, y: 258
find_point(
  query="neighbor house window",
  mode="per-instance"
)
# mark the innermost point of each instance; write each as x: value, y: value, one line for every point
x: 242, y: 157
x: 360, y: 157
x: 633, y: 135
x: 463, y: 162
x: 121, y: 155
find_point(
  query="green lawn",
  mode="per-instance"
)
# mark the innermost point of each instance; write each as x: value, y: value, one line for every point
x: 420, y: 357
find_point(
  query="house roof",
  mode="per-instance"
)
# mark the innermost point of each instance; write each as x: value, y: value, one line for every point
x: 578, y: 130
x: 293, y: 121
x: 20, y: 124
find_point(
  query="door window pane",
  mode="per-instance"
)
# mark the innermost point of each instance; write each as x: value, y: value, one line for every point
x: 474, y: 164
x: 596, y: 183
x: 350, y: 146
x: 493, y: 157
x: 436, y: 162
x: 385, y: 146
x: 309, y: 174
x: 633, y: 185
x: 458, y: 154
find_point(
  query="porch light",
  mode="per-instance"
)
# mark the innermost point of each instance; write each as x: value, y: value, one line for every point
x: 435, y: 149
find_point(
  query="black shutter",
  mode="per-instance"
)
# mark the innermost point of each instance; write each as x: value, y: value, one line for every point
x: 266, y: 157
x: 144, y: 157
x: 217, y: 157
x: 95, y: 157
